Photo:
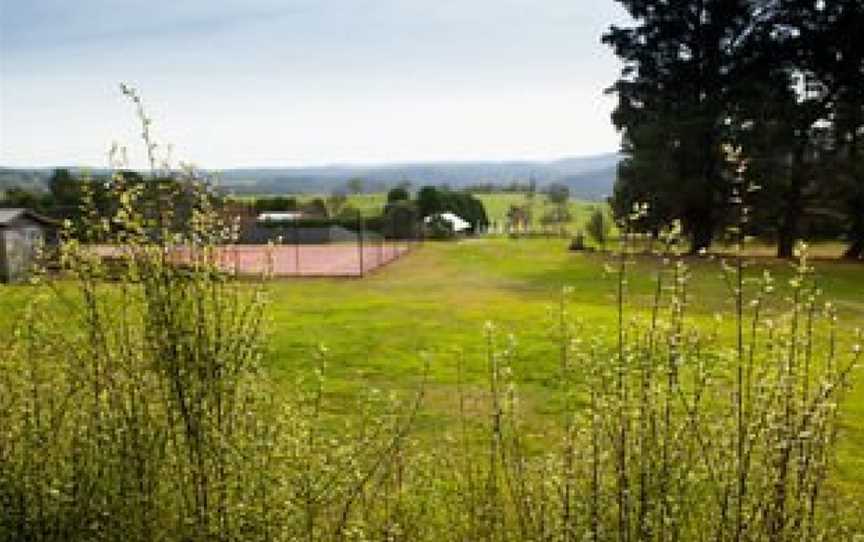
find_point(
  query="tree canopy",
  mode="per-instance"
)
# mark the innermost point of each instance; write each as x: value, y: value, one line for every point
x: 780, y: 81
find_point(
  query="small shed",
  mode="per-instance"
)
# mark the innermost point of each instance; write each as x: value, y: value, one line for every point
x: 21, y: 232
x: 281, y: 216
x: 456, y: 222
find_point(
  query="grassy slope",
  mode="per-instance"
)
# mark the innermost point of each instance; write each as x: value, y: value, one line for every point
x: 436, y: 301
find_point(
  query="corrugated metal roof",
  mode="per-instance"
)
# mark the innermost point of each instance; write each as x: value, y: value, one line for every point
x: 8, y: 215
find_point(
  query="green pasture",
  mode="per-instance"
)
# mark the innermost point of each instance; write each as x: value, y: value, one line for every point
x: 497, y: 205
x: 434, y: 305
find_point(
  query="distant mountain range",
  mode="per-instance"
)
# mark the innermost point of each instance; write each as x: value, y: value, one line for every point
x: 589, y: 177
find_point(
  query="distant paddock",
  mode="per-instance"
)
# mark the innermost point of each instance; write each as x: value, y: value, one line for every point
x: 303, y: 260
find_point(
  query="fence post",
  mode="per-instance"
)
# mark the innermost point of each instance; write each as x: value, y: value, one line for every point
x: 296, y: 248
x: 419, y: 229
x: 381, y: 247
x: 360, y: 234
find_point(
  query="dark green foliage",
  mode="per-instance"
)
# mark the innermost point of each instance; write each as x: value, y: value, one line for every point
x: 79, y: 199
x: 398, y: 194
x: 316, y: 208
x: 778, y: 80
x: 400, y: 220
x: 65, y: 189
x: 432, y: 200
x: 439, y: 228
x: 429, y: 201
x: 647, y: 177
x: 557, y: 193
x: 578, y: 242
x: 598, y: 227
x: 683, y: 63
x: 275, y: 204
x: 18, y: 197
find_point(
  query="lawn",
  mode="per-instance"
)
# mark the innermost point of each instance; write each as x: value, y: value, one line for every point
x: 434, y: 304
x: 497, y: 205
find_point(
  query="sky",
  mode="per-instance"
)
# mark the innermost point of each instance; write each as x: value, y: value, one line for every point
x: 270, y: 83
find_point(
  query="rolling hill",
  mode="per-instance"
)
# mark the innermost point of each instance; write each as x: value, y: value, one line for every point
x: 589, y: 177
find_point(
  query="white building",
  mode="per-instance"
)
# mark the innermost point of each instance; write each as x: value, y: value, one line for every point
x: 458, y: 223
x: 281, y: 216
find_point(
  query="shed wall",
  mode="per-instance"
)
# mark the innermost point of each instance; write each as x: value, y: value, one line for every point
x: 19, y: 242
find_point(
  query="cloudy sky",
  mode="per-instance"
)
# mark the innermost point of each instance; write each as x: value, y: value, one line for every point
x: 296, y: 82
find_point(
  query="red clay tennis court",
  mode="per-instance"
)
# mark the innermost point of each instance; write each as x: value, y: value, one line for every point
x: 325, y: 260
x: 298, y: 260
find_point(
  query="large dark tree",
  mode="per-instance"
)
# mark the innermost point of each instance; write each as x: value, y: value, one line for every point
x: 820, y: 48
x: 650, y: 177
x: 398, y: 194
x: 684, y: 61
x: 432, y: 200
x: 65, y: 189
x: 839, y: 64
x: 429, y: 201
x: 781, y: 79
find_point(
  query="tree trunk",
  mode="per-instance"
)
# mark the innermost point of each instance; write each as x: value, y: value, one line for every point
x: 856, y: 231
x: 786, y: 244
x: 701, y: 233
x: 788, y: 232
x: 856, y: 204
x: 855, y: 251
x: 702, y: 215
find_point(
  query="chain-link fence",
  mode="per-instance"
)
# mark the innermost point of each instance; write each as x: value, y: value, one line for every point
x: 346, y: 247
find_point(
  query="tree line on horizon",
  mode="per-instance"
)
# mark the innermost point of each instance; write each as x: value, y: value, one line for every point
x: 781, y: 83
x: 68, y: 196
x: 71, y: 197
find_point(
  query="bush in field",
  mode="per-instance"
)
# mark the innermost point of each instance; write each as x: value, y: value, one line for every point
x: 398, y: 194
x: 437, y: 227
x: 400, y: 220
x: 558, y: 216
x: 432, y: 200
x: 315, y: 208
x: 275, y: 204
x: 598, y: 227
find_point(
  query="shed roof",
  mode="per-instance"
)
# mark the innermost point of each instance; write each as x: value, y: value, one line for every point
x: 281, y: 216
x: 457, y: 222
x: 7, y: 216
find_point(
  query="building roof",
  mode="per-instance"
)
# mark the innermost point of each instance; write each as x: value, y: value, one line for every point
x: 457, y: 222
x: 280, y: 216
x: 7, y: 216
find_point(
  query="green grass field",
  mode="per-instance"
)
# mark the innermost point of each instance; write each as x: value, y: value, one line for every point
x: 497, y: 205
x: 435, y: 303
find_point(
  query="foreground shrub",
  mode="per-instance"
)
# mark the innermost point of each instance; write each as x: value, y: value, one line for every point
x: 132, y: 401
